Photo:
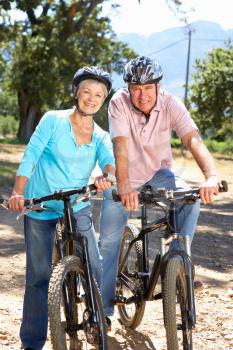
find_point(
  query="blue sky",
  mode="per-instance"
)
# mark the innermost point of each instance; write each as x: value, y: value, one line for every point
x: 154, y: 15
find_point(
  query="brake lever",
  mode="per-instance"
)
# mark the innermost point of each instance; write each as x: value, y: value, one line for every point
x: 110, y: 178
x: 4, y: 204
x: 38, y: 209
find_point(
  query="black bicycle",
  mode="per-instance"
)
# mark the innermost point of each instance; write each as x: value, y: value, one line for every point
x: 136, y: 282
x: 76, y: 316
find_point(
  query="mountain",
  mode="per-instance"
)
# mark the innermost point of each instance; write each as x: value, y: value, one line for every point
x: 170, y: 48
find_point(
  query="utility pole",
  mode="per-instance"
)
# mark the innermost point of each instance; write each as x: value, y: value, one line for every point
x: 187, y: 67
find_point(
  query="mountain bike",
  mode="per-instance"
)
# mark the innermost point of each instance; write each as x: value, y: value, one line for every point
x: 136, y: 282
x: 75, y: 310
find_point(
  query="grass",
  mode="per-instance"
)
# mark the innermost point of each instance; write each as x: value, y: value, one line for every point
x: 12, y: 141
x: 9, y: 164
x: 224, y: 148
x: 8, y: 168
x: 7, y: 173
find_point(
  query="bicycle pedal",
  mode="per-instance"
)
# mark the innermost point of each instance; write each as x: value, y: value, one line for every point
x: 78, y: 299
x: 179, y: 327
x: 157, y: 296
x: 119, y: 300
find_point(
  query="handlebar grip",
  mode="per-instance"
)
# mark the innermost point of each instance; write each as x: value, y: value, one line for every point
x: 4, y: 202
x: 223, y: 187
x: 115, y: 196
x: 110, y: 178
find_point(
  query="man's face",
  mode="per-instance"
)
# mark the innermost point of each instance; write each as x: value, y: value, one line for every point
x: 143, y: 97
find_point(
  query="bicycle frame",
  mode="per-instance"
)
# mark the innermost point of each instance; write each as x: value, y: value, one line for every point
x: 67, y: 242
x: 74, y: 300
x: 150, y: 280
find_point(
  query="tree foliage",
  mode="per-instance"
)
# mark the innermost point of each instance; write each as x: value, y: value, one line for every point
x: 41, y: 52
x: 212, y: 93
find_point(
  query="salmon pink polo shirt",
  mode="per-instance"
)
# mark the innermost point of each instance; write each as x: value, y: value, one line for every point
x: 149, y: 140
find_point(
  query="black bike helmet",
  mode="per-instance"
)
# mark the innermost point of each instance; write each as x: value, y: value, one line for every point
x: 142, y: 70
x: 94, y: 73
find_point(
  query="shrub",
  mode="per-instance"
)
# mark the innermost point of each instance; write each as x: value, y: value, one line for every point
x: 8, y: 126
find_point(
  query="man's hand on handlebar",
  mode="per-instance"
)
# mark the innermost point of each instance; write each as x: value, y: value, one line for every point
x: 129, y: 197
x: 209, y: 189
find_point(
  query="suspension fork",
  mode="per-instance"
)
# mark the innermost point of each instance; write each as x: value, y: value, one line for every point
x: 85, y: 255
x: 145, y: 255
x: 69, y: 224
x: 188, y: 268
x: 90, y: 284
x: 69, y: 292
x: 59, y: 239
x: 189, y: 274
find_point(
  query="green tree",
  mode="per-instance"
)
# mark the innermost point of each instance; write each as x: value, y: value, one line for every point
x: 212, y: 93
x: 47, y: 46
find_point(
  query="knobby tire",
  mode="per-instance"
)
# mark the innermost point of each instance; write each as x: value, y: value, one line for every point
x: 175, y: 306
x: 131, y: 314
x: 86, y: 337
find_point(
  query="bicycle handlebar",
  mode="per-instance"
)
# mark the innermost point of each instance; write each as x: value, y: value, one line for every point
x: 149, y: 196
x: 58, y: 195
x: 63, y: 194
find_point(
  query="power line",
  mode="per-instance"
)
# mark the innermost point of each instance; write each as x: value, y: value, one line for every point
x: 222, y: 40
x: 188, y: 56
x: 166, y: 47
x: 187, y: 67
x: 178, y: 41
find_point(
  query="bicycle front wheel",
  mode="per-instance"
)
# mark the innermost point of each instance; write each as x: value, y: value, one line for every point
x: 131, y: 312
x: 73, y: 324
x: 175, y: 306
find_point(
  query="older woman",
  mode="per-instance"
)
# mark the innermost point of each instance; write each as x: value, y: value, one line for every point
x: 62, y: 153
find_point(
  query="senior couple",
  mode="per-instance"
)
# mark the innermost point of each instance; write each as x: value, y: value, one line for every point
x: 64, y: 150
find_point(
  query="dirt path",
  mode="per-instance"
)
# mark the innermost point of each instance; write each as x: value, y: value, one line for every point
x: 212, y: 254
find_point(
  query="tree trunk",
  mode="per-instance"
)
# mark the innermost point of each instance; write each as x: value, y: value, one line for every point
x: 29, y: 116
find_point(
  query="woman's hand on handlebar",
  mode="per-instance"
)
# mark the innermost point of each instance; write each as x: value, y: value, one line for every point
x: 102, y: 183
x: 16, y: 202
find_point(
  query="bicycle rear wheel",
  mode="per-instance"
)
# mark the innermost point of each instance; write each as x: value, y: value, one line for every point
x: 130, y: 314
x: 73, y: 325
x: 175, y: 306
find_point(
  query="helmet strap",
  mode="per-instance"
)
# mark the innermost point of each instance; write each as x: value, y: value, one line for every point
x: 157, y: 92
x: 83, y: 114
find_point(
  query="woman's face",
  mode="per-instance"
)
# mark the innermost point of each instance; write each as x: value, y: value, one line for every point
x: 91, y: 95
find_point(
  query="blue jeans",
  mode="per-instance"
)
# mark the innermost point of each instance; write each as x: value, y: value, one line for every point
x: 39, y: 241
x: 113, y: 219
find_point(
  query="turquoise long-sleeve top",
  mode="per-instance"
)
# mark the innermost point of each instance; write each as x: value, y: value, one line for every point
x: 53, y: 161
